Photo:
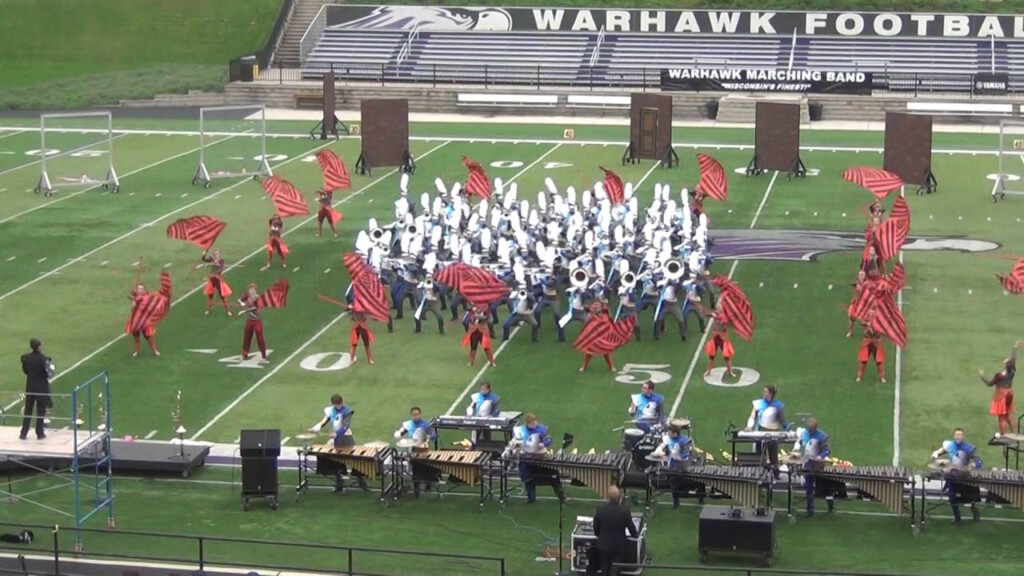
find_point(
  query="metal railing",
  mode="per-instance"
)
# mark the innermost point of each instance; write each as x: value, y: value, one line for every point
x: 406, y: 50
x: 284, y: 17
x: 48, y: 554
x: 596, y: 54
x: 314, y: 31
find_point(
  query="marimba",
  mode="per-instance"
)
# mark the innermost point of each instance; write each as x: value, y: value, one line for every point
x: 371, y: 461
x: 745, y: 485
x: 887, y: 484
x: 1001, y: 485
x: 462, y: 467
x: 595, y: 471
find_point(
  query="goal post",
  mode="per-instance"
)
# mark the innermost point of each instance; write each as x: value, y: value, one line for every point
x: 232, y: 143
x: 88, y: 162
x: 1010, y: 179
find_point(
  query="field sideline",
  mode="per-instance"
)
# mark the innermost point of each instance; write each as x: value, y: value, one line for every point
x: 67, y: 262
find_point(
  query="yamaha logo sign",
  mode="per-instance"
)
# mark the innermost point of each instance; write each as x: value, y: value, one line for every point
x: 991, y: 84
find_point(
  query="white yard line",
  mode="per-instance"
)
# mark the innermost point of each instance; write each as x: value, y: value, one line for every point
x: 483, y: 369
x: 58, y: 155
x: 268, y: 376
x: 13, y: 133
x: 707, y: 330
x: 262, y: 249
x: 983, y: 152
x: 897, y: 382
x: 122, y: 177
x: 141, y: 228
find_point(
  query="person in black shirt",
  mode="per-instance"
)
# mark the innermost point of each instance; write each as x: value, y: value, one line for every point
x: 38, y: 369
x: 610, y: 525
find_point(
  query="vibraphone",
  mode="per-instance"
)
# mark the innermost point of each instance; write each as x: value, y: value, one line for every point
x: 594, y: 471
x: 490, y: 434
x: 757, y: 438
x: 886, y: 484
x: 463, y: 468
x: 745, y: 485
x: 374, y: 462
x: 1003, y: 485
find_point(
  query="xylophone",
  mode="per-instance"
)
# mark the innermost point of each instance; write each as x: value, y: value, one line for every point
x: 467, y: 468
x: 742, y: 484
x: 595, y: 471
x: 885, y: 484
x: 369, y: 461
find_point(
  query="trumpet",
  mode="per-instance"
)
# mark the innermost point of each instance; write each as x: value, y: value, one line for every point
x: 176, y: 416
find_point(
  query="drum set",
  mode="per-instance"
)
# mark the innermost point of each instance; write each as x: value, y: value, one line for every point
x: 642, y: 445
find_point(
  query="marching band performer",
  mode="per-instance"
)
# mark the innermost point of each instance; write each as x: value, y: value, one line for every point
x: 360, y: 331
x: 216, y: 284
x: 253, y: 323
x: 429, y: 302
x: 812, y: 446
x: 478, y: 334
x: 647, y: 408
x: 871, y: 348
x: 692, y: 304
x: 1002, y: 384
x: 532, y: 438
x: 628, y: 307
x: 421, y: 433
x: 148, y: 332
x: 676, y: 447
x: 275, y: 243
x: 400, y: 282
x: 961, y: 455
x: 484, y: 403
x: 326, y: 200
x: 522, y: 312
x: 577, y: 313
x: 670, y: 304
x: 339, y: 415
x: 768, y: 414
x: 872, y: 264
x: 548, y: 296
x: 719, y: 341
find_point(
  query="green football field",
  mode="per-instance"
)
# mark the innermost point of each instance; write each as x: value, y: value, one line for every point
x: 67, y: 263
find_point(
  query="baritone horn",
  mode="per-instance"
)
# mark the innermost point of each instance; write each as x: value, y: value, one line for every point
x: 377, y: 234
x: 579, y: 278
x: 674, y: 269
x: 629, y: 280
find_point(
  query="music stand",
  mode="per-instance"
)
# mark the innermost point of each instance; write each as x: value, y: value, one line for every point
x: 566, y: 442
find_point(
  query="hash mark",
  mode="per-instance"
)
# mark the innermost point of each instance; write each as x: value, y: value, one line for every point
x: 159, y: 193
x: 185, y: 194
x: 105, y: 262
x: 11, y: 258
x: 136, y: 263
x: 41, y: 260
x: 150, y: 435
x: 168, y: 265
x: 326, y: 271
x: 238, y: 196
x: 296, y: 269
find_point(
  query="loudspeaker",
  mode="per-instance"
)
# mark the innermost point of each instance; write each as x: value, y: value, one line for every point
x: 260, y: 443
x: 736, y: 531
x: 259, y: 476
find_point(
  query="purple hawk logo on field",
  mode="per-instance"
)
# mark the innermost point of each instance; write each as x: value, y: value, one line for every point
x: 431, y: 19
x: 806, y: 245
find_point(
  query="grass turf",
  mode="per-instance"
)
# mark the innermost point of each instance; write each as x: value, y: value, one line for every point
x: 66, y: 262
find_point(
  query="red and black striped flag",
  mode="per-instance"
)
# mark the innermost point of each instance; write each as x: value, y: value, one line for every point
x: 734, y: 310
x: 288, y: 201
x: 199, y: 230
x: 478, y: 286
x: 887, y: 319
x: 900, y: 209
x: 354, y: 263
x: 152, y: 307
x: 875, y: 180
x: 477, y: 182
x: 336, y: 176
x: 890, y: 236
x: 602, y: 336
x: 1014, y: 281
x: 713, y: 180
x: 275, y: 297
x: 370, y: 297
x: 613, y: 187
x: 895, y: 280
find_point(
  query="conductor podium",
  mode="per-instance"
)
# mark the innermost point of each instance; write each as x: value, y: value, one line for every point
x: 259, y: 450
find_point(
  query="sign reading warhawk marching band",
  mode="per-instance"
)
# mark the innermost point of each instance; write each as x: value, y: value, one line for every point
x: 765, y: 80
x: 717, y: 22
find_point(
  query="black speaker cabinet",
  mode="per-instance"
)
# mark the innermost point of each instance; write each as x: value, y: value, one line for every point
x: 261, y: 443
x: 736, y: 531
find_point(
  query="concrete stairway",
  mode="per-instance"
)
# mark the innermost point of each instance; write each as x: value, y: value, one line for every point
x: 741, y: 108
x: 288, y: 52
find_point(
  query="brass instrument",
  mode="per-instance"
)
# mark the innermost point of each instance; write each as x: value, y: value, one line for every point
x: 579, y: 278
x: 673, y: 269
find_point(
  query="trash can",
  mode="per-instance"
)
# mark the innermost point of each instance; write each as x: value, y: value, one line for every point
x: 249, y: 69
x: 814, y: 111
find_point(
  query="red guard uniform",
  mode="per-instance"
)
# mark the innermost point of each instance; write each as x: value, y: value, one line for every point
x: 871, y: 348
x: 215, y: 284
x: 275, y: 243
x: 326, y: 199
x: 148, y: 332
x: 1002, y: 394
x: 719, y: 340
x: 598, y: 313
x: 478, y: 335
x: 253, y: 326
x: 361, y: 331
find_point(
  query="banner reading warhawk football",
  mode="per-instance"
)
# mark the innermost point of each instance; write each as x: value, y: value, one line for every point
x: 718, y: 22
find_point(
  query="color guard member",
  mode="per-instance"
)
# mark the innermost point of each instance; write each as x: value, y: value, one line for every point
x: 325, y: 199
x: 360, y: 331
x: 871, y: 348
x: 275, y: 242
x: 216, y: 284
x: 478, y: 335
x: 148, y: 332
x: 1002, y: 397
x: 253, y: 323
